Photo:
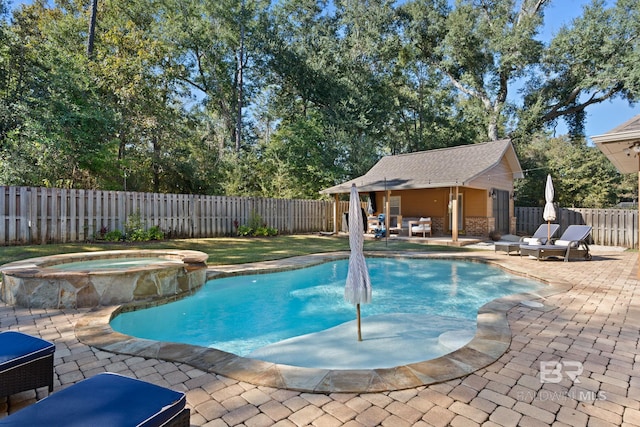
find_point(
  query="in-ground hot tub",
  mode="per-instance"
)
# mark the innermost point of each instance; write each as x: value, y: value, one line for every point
x: 90, y: 279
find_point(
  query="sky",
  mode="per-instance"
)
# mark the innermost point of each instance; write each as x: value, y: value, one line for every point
x: 600, y: 118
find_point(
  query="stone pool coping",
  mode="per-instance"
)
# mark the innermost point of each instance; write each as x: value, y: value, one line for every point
x: 492, y: 338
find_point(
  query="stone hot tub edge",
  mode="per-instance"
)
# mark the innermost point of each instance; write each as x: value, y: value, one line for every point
x: 43, y: 283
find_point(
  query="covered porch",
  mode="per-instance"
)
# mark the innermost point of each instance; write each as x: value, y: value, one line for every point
x: 621, y: 145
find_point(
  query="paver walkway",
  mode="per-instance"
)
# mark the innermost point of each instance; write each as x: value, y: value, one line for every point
x: 587, y: 347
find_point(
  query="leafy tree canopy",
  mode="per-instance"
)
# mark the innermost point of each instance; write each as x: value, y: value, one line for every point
x: 285, y: 98
x: 582, y: 176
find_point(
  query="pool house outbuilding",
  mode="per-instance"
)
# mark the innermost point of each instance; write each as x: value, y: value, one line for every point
x: 466, y: 190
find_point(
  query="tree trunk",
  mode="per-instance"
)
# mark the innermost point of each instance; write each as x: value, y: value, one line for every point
x: 92, y: 28
x: 240, y: 81
x: 156, y: 164
x: 492, y: 129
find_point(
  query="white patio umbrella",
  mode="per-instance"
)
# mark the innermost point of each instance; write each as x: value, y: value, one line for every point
x: 358, y: 288
x: 549, y: 213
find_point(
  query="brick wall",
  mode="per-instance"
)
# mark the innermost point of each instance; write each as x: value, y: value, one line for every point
x: 477, y: 226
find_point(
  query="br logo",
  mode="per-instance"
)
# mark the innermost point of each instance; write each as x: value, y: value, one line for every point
x: 552, y: 371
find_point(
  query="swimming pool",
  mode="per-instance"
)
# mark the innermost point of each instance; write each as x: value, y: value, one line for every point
x: 242, y: 314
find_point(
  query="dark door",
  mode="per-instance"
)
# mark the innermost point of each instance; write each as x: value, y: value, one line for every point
x: 501, y: 211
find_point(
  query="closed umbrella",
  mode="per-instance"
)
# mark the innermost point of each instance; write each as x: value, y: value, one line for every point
x: 549, y: 213
x: 358, y: 287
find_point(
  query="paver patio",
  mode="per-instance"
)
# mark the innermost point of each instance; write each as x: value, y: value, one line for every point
x: 592, y: 329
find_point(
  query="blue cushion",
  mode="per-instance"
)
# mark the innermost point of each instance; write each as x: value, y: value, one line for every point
x: 17, y: 348
x: 105, y: 399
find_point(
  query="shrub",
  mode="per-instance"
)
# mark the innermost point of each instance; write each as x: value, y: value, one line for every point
x: 134, y: 232
x: 245, y: 230
x: 261, y: 231
x: 255, y: 220
x: 133, y: 228
x: 113, y: 236
x: 255, y: 227
x: 137, y: 235
x: 155, y: 233
x: 99, y: 235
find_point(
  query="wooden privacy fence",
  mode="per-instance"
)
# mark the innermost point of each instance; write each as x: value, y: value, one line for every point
x: 611, y: 227
x: 52, y: 215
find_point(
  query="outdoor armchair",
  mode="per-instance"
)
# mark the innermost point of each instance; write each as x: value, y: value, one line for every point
x: 423, y: 225
x: 26, y: 363
x: 538, y: 238
x: 572, y: 244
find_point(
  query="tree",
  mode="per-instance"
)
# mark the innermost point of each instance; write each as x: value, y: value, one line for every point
x: 582, y: 175
x: 282, y: 99
x: 335, y: 69
x: 300, y: 158
x: 366, y: 58
x: 428, y: 114
x: 56, y: 121
x: 594, y: 59
x: 480, y: 46
x: 128, y: 66
x: 212, y: 47
x: 114, y: 122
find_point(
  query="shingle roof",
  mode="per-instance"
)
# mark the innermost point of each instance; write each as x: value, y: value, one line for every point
x: 630, y: 125
x: 454, y: 166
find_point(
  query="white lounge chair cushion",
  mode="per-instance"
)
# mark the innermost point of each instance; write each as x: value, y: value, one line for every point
x: 422, y: 227
x: 566, y: 243
x: 531, y: 241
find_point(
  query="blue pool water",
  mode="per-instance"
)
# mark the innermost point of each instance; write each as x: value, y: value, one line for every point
x: 243, y: 313
x: 112, y: 263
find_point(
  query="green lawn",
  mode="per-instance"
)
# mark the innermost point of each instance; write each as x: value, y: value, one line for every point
x: 227, y: 250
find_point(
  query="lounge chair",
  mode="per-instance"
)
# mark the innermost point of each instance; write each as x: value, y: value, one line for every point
x: 106, y: 399
x: 538, y: 238
x: 572, y: 244
x: 423, y: 225
x: 26, y: 363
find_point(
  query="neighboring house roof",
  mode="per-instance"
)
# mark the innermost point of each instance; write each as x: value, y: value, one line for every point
x: 622, y: 145
x: 446, y: 167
